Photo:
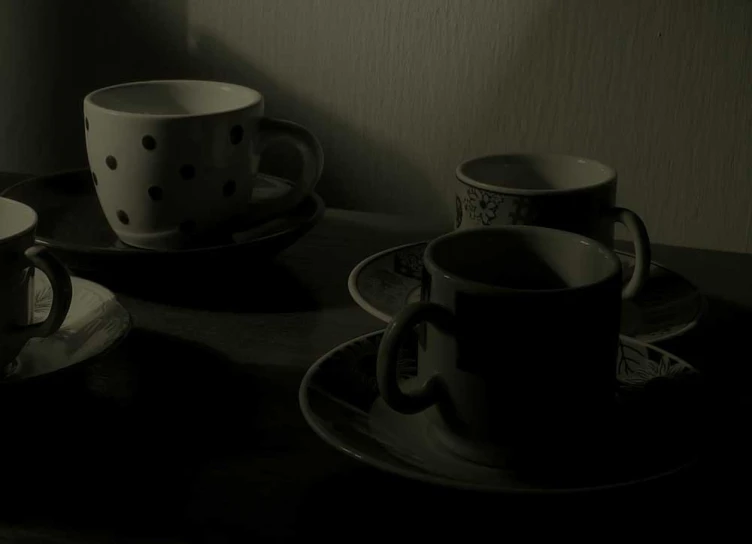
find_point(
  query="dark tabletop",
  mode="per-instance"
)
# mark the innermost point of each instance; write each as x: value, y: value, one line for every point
x: 190, y: 430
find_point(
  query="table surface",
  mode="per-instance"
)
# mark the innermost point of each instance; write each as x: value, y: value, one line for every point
x: 190, y: 430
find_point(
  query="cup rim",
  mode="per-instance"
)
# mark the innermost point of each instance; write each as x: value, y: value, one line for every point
x: 5, y: 201
x: 255, y: 98
x: 477, y: 287
x: 609, y: 173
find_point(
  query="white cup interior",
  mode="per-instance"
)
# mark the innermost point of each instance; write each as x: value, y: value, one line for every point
x: 15, y: 218
x: 534, y: 172
x: 174, y: 97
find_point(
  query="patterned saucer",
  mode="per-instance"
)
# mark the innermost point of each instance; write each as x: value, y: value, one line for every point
x: 653, y: 435
x: 668, y: 305
x: 95, y: 322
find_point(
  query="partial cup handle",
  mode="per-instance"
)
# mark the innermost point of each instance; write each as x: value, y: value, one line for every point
x: 62, y: 292
x: 642, y: 251
x: 386, y: 362
x: 277, y: 131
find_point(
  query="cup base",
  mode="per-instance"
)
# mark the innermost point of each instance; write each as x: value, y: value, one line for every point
x: 481, y: 453
x: 164, y: 240
x: 573, y: 453
x: 177, y: 239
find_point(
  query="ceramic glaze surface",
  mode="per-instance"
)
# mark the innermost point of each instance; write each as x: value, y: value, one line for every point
x: 94, y: 323
x: 72, y: 223
x: 20, y: 257
x: 175, y: 98
x: 655, y: 418
x: 170, y: 159
x: 555, y: 191
x: 175, y: 162
x: 668, y: 306
x: 498, y: 307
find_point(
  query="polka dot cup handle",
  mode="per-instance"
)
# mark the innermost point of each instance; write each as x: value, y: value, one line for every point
x: 62, y: 292
x: 274, y: 132
x: 642, y: 251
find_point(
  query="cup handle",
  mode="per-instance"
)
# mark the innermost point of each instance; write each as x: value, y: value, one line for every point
x: 642, y: 251
x: 62, y: 292
x: 386, y: 362
x: 276, y: 131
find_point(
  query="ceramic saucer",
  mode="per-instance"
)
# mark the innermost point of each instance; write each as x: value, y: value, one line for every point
x: 653, y: 436
x: 95, y: 322
x: 72, y: 223
x: 668, y: 306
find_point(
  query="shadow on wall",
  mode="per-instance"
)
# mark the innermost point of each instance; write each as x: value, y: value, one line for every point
x: 352, y: 156
x: 109, y: 43
x: 642, y: 86
x: 69, y: 49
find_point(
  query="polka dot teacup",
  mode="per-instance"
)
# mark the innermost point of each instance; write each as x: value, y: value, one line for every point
x: 173, y: 161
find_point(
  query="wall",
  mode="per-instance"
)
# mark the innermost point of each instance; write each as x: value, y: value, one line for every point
x: 52, y: 52
x: 399, y: 92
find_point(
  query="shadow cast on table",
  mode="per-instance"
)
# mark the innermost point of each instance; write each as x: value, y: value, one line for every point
x: 719, y: 347
x: 268, y: 287
x: 366, y: 501
x: 118, y: 442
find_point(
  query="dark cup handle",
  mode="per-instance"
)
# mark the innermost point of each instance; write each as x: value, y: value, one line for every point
x: 277, y: 131
x: 642, y: 251
x: 386, y: 363
x: 62, y: 293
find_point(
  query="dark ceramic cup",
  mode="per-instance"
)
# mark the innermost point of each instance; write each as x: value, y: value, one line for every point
x: 503, y: 312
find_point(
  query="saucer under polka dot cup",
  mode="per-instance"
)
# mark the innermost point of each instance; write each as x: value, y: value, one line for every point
x: 175, y: 162
x: 555, y: 191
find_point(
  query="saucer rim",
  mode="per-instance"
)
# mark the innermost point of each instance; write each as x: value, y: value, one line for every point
x: 306, y: 222
x: 352, y: 287
x: 116, y: 340
x: 416, y: 475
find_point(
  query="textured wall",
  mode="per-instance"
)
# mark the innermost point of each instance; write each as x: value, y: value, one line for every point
x: 52, y: 52
x: 400, y: 91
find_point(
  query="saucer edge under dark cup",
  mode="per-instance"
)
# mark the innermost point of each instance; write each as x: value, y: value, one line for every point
x: 657, y: 433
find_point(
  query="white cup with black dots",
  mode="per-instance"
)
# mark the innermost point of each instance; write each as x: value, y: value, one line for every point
x: 174, y: 162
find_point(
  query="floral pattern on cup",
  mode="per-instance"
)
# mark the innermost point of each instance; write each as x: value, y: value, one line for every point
x: 482, y: 205
x: 487, y: 208
x: 458, y: 216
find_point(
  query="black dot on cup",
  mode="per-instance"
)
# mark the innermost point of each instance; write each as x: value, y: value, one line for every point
x: 94, y: 178
x: 155, y: 193
x: 229, y: 188
x: 123, y: 217
x: 236, y: 134
x: 86, y: 122
x: 187, y: 171
x: 111, y: 162
x: 187, y: 227
x: 149, y: 143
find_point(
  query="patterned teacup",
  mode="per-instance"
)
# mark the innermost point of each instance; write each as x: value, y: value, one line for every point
x: 556, y: 191
x: 175, y: 161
